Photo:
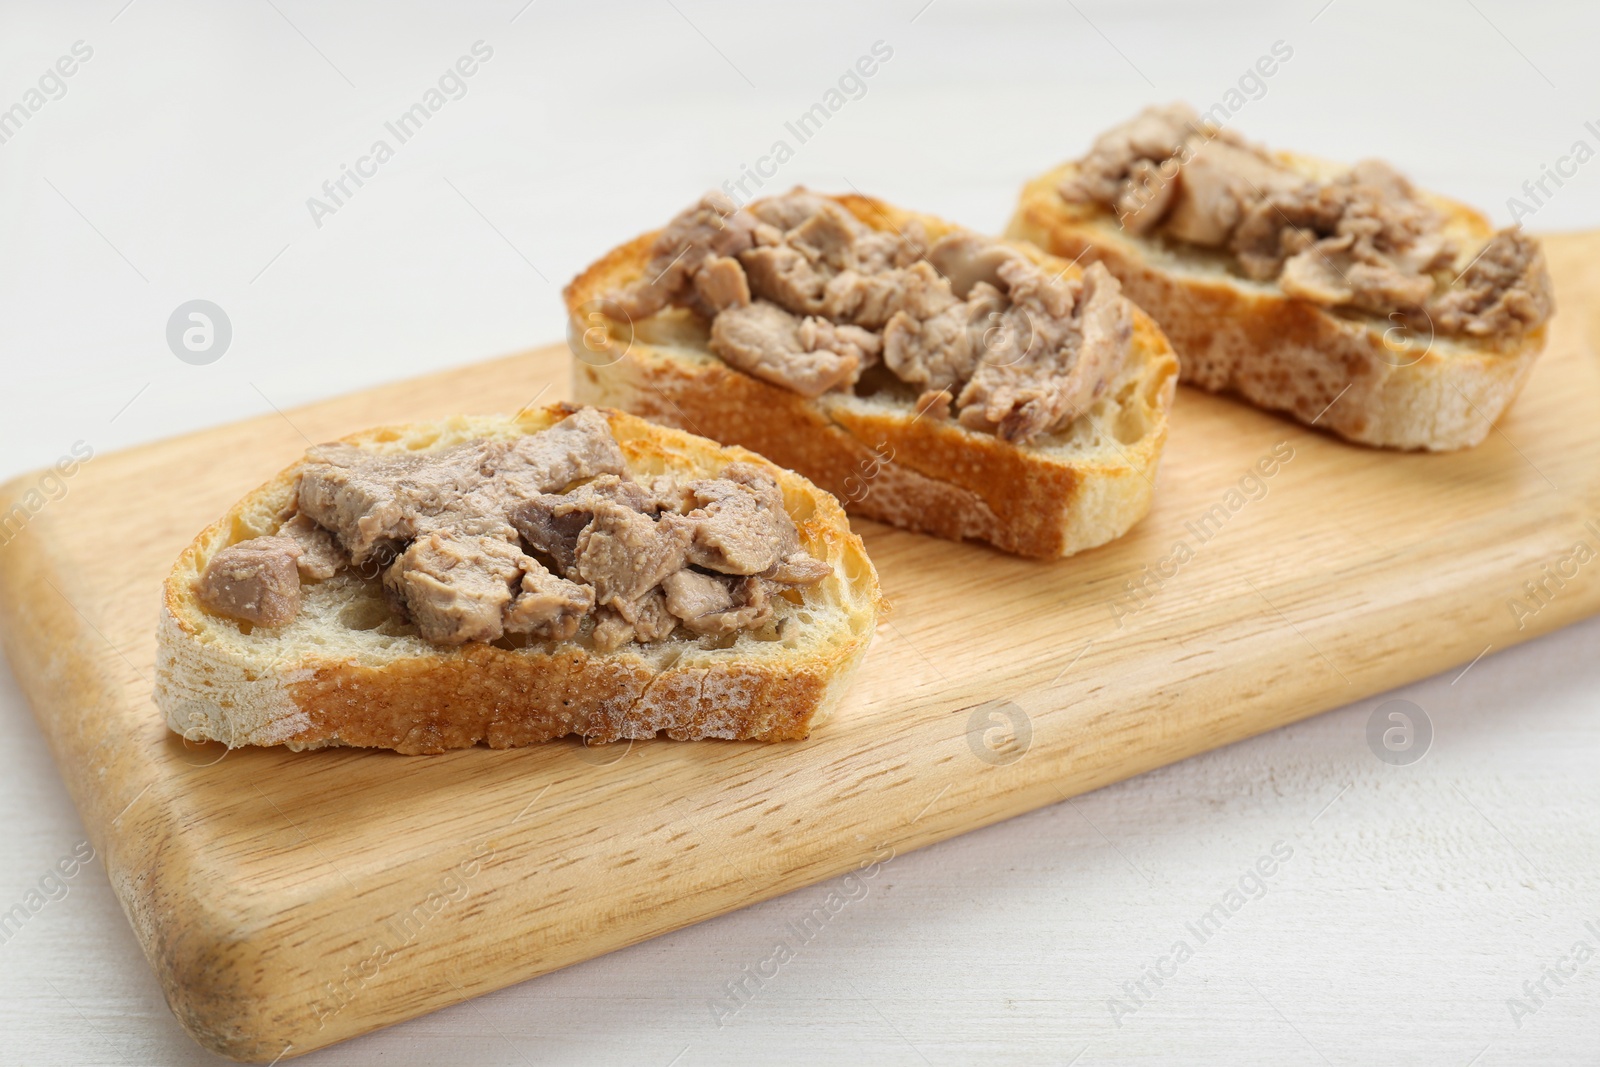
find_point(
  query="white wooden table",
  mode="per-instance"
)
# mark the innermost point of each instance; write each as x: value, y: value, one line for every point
x: 1416, y: 902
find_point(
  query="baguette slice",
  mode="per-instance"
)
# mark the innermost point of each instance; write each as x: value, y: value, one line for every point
x: 1057, y: 495
x: 347, y: 671
x: 1356, y: 374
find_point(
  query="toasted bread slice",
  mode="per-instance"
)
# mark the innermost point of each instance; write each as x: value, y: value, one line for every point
x: 1056, y: 495
x: 347, y: 671
x: 1365, y: 377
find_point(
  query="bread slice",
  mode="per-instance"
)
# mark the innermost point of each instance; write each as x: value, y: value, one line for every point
x: 1359, y: 375
x: 347, y: 671
x: 1059, y: 494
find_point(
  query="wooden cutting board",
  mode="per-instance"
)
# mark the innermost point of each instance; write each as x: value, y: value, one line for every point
x: 288, y: 901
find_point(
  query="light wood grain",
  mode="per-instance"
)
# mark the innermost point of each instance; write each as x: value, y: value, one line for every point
x: 255, y: 878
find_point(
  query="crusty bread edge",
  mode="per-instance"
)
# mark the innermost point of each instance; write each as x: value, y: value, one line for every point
x: 208, y: 691
x: 1284, y: 354
x: 940, y: 478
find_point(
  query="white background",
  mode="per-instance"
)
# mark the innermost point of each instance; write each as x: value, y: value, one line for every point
x: 177, y: 166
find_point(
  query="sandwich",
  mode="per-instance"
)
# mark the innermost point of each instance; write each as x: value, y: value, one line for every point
x: 505, y: 581
x: 928, y: 377
x: 1342, y: 295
